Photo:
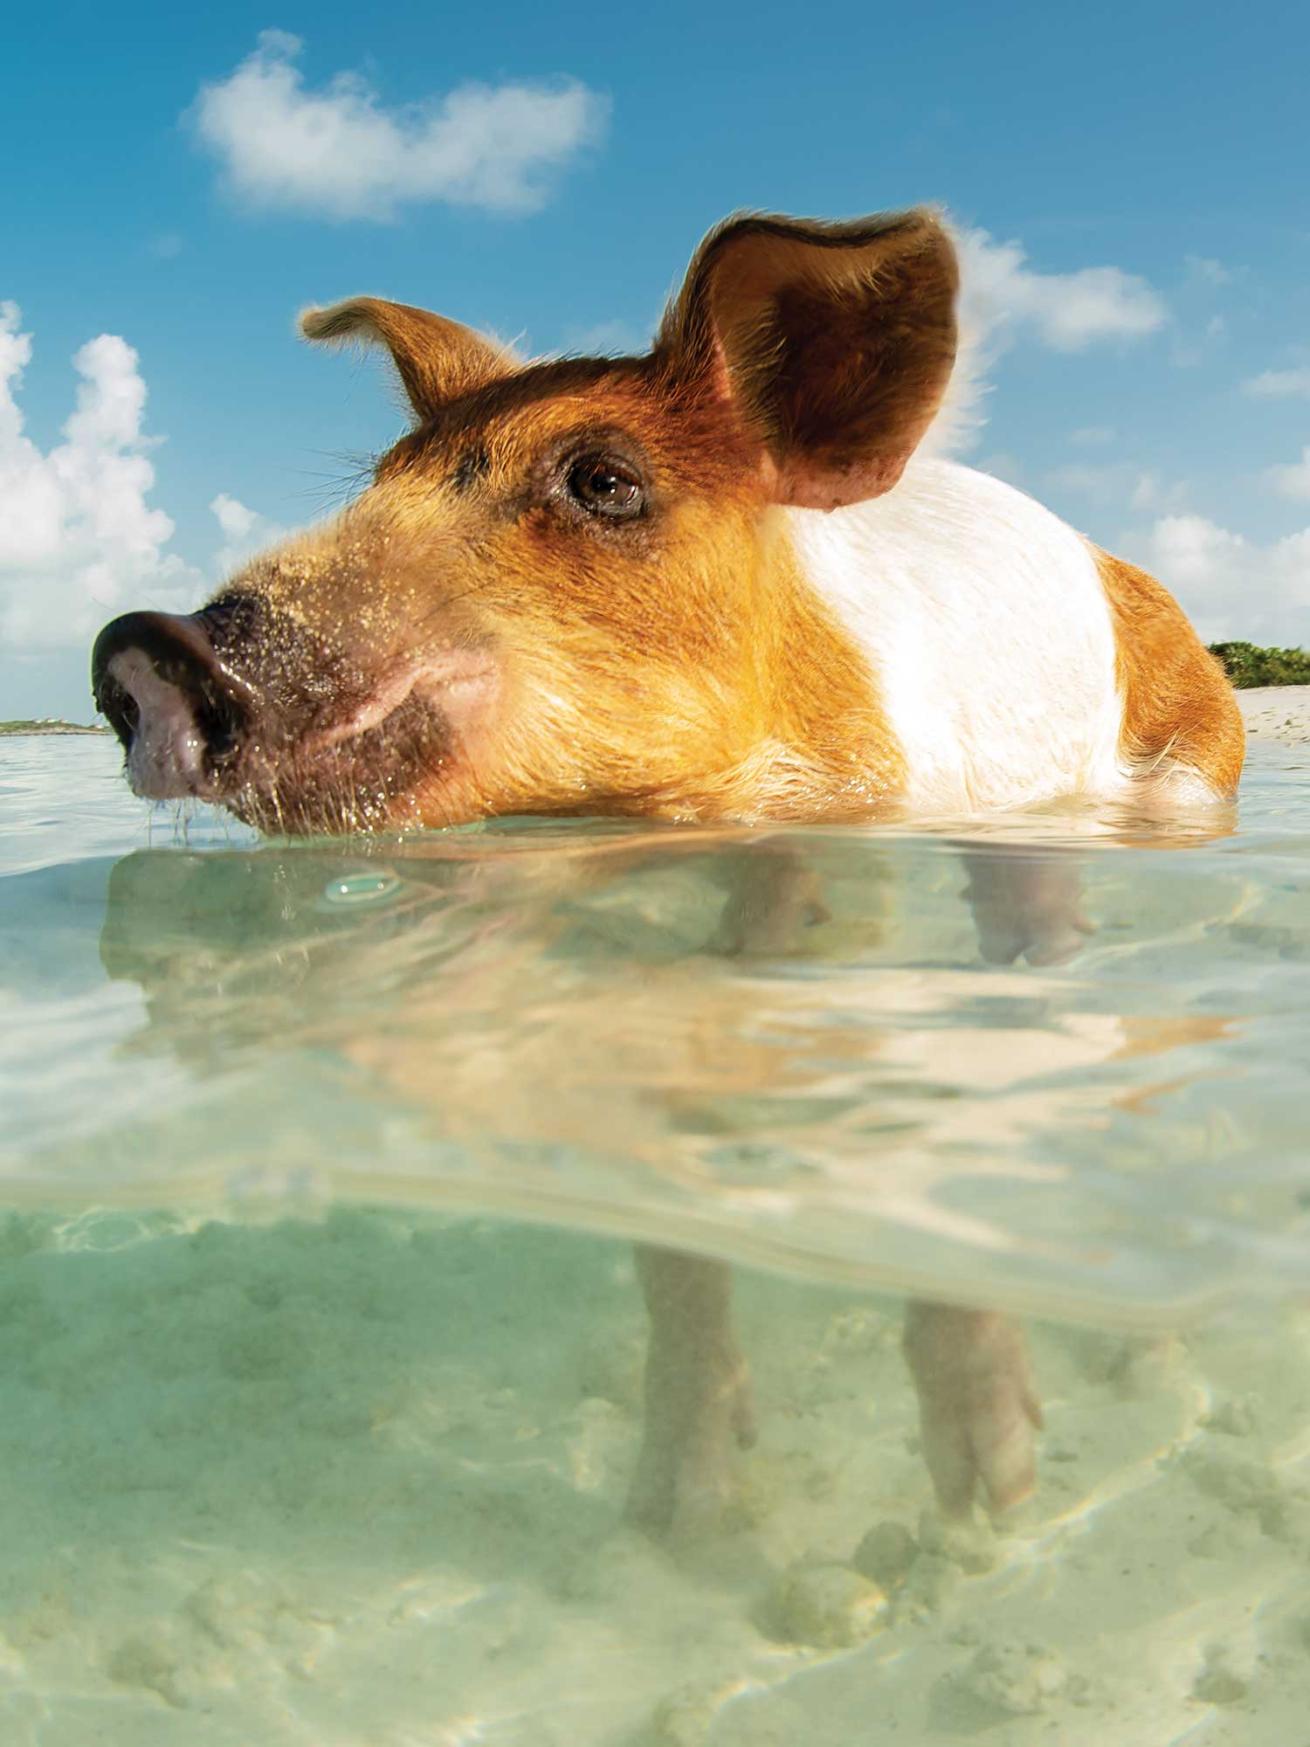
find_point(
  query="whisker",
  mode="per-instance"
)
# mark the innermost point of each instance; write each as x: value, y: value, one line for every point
x: 350, y: 474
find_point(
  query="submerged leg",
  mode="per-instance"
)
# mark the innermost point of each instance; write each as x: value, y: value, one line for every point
x: 978, y: 1409
x: 775, y: 897
x: 1026, y: 904
x: 698, y: 1400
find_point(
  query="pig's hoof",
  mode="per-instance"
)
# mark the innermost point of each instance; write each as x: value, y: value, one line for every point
x: 684, y: 1480
x: 978, y: 1410
x: 776, y: 902
x: 1029, y: 908
x: 1038, y: 939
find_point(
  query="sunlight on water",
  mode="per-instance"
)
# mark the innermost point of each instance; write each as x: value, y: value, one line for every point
x: 321, y: 1388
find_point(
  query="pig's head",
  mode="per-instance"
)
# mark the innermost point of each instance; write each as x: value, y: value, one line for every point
x: 569, y: 587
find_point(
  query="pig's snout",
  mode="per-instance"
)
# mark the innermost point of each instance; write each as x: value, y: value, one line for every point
x: 242, y: 705
x: 178, y: 710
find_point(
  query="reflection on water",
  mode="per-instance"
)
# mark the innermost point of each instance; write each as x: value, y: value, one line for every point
x: 304, y: 1445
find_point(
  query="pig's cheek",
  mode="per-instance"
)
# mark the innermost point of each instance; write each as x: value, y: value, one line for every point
x: 466, y: 687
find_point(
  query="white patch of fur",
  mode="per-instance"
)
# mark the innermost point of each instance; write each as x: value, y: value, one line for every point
x: 985, y: 620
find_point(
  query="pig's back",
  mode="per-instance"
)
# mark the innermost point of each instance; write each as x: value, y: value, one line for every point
x: 987, y: 625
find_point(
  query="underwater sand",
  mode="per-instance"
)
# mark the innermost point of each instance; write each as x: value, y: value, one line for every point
x: 361, y: 1480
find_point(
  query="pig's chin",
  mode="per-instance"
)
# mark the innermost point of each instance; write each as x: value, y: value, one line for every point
x: 344, y: 779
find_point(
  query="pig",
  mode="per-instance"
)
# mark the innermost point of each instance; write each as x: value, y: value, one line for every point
x: 724, y: 581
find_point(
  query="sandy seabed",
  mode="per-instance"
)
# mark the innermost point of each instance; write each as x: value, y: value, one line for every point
x: 360, y: 1481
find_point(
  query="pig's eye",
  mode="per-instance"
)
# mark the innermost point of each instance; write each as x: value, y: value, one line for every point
x: 607, y: 487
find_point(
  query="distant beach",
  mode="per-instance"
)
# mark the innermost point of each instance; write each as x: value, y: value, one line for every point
x: 1277, y: 712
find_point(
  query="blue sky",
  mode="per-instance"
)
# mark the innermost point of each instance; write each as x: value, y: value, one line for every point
x: 1131, y: 180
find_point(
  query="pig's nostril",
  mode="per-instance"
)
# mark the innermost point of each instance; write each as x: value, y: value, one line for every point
x: 119, y: 708
x: 178, y: 711
x: 220, y: 722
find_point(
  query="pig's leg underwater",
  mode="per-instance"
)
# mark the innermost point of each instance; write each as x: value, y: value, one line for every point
x: 978, y: 1408
x: 698, y: 1401
x: 1026, y: 904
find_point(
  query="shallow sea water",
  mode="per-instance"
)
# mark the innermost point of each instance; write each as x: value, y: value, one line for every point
x: 320, y: 1343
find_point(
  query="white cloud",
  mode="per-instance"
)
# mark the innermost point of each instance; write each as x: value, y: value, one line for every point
x: 1291, y: 478
x: 1001, y: 296
x: 1067, y: 311
x: 1277, y: 384
x: 339, y: 153
x: 1001, y: 464
x: 78, y: 536
x: 1230, y: 586
x: 1206, y: 268
x: 244, y: 532
x: 1117, y: 482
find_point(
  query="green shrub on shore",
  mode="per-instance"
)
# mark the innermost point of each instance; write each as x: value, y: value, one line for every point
x: 1247, y: 664
x: 48, y: 725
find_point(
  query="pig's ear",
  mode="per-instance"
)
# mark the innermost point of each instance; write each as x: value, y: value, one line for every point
x: 438, y: 360
x: 834, y: 343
